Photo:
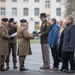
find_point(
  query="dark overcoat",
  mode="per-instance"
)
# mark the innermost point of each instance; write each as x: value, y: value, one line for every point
x: 69, y: 38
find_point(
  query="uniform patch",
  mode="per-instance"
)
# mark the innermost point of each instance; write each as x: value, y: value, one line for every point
x: 47, y: 24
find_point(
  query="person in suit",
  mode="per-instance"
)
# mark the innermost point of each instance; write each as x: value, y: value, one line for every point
x: 24, y: 48
x: 69, y: 45
x: 4, y: 39
x: 53, y: 42
x: 44, y: 31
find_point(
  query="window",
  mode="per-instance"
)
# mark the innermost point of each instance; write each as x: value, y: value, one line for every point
x: 2, y: 0
x: 36, y: 11
x: 14, y: 0
x: 14, y: 11
x: 37, y: 26
x: 27, y: 25
x: 2, y: 11
x: 36, y: 0
x: 58, y: 11
x: 25, y: 11
x: 58, y: 0
x: 25, y: 0
x: 47, y: 4
x: 48, y: 17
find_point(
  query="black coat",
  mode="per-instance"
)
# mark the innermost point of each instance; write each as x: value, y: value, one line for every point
x: 69, y: 38
x: 61, y: 44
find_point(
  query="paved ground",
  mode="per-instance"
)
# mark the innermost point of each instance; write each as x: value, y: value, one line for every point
x: 33, y: 63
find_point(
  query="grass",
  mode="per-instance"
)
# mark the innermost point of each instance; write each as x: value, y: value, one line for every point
x: 35, y: 41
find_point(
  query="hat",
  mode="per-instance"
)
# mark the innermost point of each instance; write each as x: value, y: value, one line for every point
x: 23, y: 20
x: 43, y: 15
x: 11, y: 20
x: 4, y: 19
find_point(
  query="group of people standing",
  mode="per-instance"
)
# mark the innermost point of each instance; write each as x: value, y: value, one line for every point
x: 60, y: 38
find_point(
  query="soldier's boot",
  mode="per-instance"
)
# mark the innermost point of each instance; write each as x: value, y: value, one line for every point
x: 7, y: 65
x: 14, y: 66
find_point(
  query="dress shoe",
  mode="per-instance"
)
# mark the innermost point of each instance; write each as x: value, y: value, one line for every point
x: 54, y: 69
x: 44, y: 67
x: 61, y: 69
x: 7, y: 67
x: 15, y: 67
x: 23, y: 69
x: 64, y: 70
x: 70, y: 71
x: 3, y: 69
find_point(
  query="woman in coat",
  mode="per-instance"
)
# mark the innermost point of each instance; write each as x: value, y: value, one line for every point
x: 24, y: 48
x: 60, y: 42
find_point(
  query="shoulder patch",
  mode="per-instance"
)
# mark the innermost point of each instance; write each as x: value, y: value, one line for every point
x: 47, y: 24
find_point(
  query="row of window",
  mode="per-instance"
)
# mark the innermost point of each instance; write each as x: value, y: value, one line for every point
x: 37, y: 25
x: 16, y: 0
x: 28, y: 0
x: 26, y: 11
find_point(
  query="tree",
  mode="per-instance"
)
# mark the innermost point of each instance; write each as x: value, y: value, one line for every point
x: 70, y: 7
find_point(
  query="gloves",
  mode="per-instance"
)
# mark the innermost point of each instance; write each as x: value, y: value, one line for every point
x: 11, y: 38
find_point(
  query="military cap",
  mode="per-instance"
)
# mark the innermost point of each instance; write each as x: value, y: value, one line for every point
x: 11, y: 20
x: 4, y: 19
x: 43, y: 15
x: 23, y: 20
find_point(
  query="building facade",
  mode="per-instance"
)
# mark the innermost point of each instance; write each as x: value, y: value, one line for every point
x: 57, y: 9
x: 30, y: 10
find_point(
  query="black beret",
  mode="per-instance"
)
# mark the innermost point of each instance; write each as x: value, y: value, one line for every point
x: 11, y: 20
x: 43, y: 15
x: 23, y: 20
x: 4, y: 19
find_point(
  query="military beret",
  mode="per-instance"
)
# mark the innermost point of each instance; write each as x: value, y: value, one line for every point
x: 11, y: 20
x: 23, y: 20
x: 4, y: 19
x: 43, y: 15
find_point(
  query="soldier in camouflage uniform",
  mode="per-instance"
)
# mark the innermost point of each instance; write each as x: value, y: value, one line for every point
x: 12, y: 43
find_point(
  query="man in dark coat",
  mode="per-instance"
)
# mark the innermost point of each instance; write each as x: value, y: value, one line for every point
x: 69, y: 45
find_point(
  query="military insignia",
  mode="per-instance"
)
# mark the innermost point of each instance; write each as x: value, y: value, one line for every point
x: 47, y: 24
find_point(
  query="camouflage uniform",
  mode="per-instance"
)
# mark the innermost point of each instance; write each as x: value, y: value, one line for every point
x: 12, y: 46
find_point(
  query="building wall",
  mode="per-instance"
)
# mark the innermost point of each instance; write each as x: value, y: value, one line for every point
x: 2, y: 4
x: 31, y: 18
x: 55, y: 5
x: 20, y: 5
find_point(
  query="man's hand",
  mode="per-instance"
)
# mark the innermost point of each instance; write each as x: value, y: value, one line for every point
x: 39, y: 34
x: 70, y: 46
x: 52, y: 46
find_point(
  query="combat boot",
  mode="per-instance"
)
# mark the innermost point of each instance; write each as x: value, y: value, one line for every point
x: 7, y: 65
x: 14, y: 66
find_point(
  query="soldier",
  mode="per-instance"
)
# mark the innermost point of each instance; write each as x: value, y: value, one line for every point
x: 24, y: 48
x: 4, y: 37
x: 12, y: 43
x: 45, y: 28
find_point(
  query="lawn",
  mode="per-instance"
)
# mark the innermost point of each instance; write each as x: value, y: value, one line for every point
x: 35, y: 41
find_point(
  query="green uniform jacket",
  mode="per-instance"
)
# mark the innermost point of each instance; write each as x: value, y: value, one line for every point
x: 44, y: 30
x: 24, y: 41
x: 12, y: 30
